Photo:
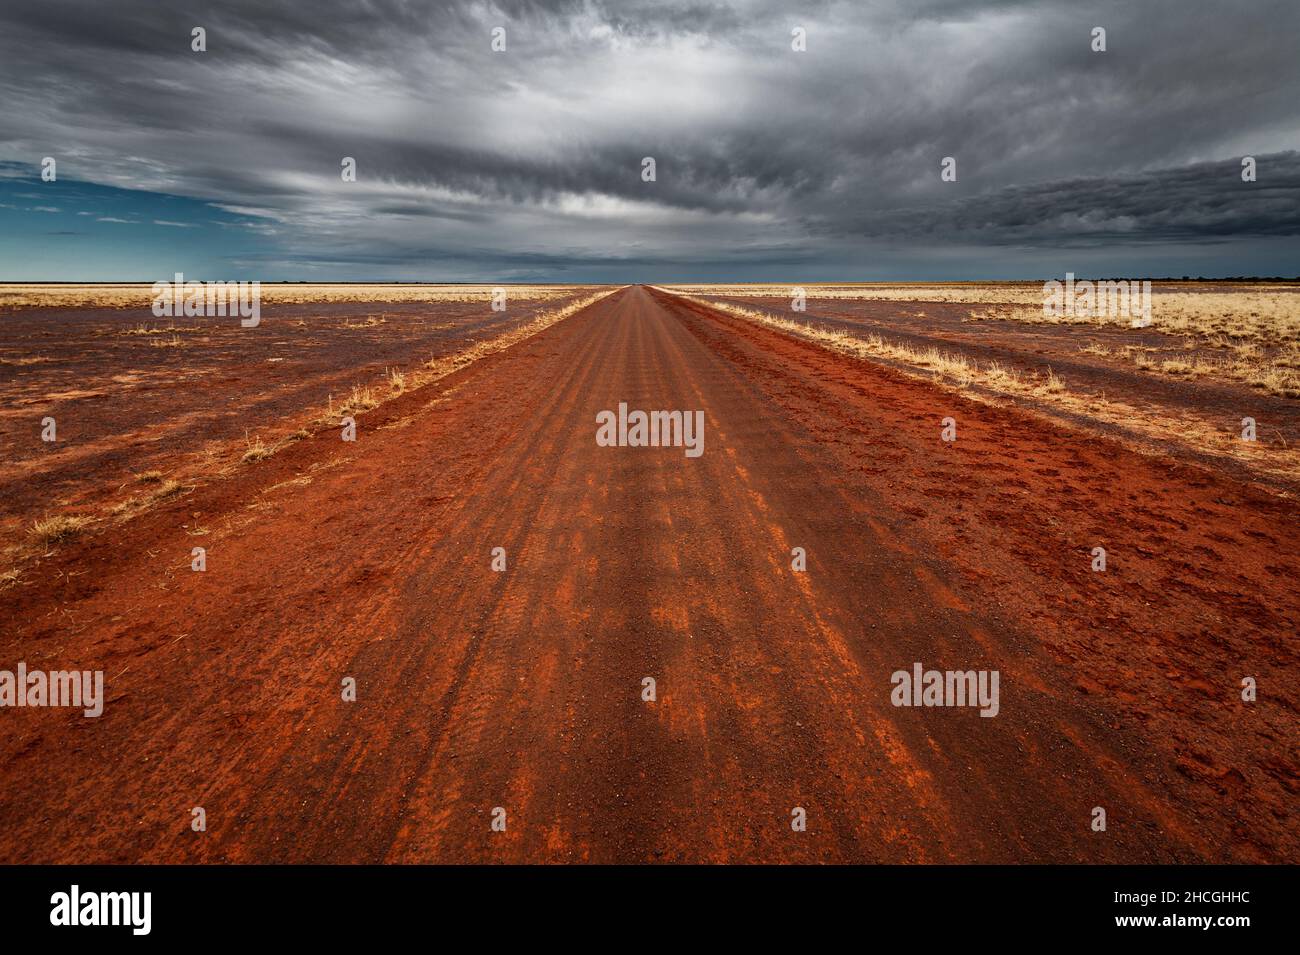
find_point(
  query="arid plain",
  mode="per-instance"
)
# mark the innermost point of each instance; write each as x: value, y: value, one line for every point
x: 522, y: 688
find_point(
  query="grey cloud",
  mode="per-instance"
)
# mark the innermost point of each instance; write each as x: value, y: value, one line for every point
x: 501, y: 159
x: 1198, y: 202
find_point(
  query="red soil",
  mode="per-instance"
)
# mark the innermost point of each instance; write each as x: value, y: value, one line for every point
x: 523, y: 689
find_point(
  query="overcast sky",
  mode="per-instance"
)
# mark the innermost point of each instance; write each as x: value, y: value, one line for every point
x: 526, y: 165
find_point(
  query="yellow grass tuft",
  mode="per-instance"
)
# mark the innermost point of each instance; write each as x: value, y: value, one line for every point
x: 361, y: 399
x: 166, y: 489
x: 255, y: 450
x: 52, y: 530
x: 173, y: 330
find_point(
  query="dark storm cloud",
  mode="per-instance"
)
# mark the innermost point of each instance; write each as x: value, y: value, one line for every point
x: 1199, y: 202
x: 530, y: 159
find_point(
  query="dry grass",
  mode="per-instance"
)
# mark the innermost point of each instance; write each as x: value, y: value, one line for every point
x: 1254, y: 316
x: 1259, y: 324
x: 1264, y: 317
x: 254, y: 450
x: 1276, y: 381
x: 976, y: 293
x: 361, y: 400
x: 24, y: 361
x: 445, y: 365
x: 954, y: 369
x: 1268, y: 313
x: 141, y: 296
x: 166, y: 489
x: 1276, y: 373
x: 998, y: 376
x: 364, y: 399
x: 173, y: 342
x: 52, y: 530
x: 1267, y: 458
x: 173, y: 330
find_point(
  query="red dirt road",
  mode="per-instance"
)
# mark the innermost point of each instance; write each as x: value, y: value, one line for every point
x: 522, y: 689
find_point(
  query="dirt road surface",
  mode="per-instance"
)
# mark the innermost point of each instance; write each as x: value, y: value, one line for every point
x: 522, y: 689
